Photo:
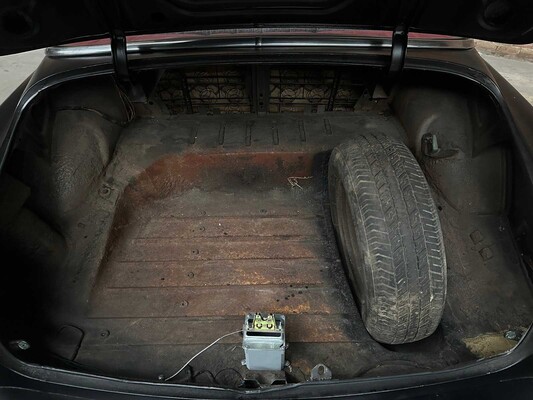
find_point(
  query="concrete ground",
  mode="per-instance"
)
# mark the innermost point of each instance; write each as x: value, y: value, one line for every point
x: 15, y: 68
x: 518, y: 72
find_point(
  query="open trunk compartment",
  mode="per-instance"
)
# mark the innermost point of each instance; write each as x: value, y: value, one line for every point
x: 148, y: 230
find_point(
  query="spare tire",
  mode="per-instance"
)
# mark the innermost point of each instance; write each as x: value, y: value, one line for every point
x: 389, y: 236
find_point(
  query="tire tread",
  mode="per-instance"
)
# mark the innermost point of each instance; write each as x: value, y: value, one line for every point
x: 401, y: 233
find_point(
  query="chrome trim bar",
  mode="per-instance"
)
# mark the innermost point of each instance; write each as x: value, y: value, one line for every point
x: 255, y: 42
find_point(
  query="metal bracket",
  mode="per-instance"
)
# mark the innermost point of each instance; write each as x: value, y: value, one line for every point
x: 260, y: 89
x: 320, y: 373
x: 119, y: 54
x: 398, y: 51
x: 128, y: 82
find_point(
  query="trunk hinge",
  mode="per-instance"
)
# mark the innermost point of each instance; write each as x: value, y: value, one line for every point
x: 398, y: 51
x: 124, y: 78
x: 119, y: 54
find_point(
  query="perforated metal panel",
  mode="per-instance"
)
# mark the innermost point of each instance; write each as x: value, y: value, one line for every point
x: 226, y: 90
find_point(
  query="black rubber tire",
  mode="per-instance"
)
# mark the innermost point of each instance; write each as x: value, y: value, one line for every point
x: 389, y: 236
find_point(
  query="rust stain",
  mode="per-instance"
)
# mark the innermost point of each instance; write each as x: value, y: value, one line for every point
x: 174, y: 173
x: 173, y: 259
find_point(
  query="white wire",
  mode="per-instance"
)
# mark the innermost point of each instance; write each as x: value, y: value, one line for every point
x: 200, y: 352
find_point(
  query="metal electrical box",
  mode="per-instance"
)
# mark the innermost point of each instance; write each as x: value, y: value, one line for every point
x: 264, y: 341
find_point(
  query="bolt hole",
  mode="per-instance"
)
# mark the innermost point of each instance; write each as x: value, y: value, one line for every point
x: 105, y: 191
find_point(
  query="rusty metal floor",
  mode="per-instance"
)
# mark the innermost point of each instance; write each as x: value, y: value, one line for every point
x: 192, y: 235
x: 185, y: 269
x: 188, y: 268
x: 216, y: 254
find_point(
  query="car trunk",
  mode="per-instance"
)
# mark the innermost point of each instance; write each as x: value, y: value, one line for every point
x: 139, y: 232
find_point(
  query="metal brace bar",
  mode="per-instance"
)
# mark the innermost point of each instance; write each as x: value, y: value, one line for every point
x: 260, y: 89
x: 334, y: 90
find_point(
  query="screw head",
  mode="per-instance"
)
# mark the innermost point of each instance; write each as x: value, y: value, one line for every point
x: 160, y: 377
x: 104, y: 333
x: 23, y: 345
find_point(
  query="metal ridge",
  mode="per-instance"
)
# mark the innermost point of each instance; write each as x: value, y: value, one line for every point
x: 255, y: 42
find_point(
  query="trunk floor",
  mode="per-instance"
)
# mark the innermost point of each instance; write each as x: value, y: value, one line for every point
x: 186, y: 269
x: 198, y: 257
x: 230, y: 235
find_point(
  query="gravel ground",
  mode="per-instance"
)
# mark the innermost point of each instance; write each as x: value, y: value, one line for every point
x: 15, y: 68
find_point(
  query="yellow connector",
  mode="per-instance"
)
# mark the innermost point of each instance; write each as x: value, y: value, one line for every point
x: 267, y: 323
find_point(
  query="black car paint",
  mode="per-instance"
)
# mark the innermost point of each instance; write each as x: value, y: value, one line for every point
x: 509, y: 375
x: 30, y: 24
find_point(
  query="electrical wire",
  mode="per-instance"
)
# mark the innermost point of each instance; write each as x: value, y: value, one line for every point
x: 200, y: 352
x: 130, y: 108
x: 228, y: 369
x: 205, y: 371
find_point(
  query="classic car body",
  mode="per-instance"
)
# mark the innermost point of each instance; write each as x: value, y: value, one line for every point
x: 158, y: 186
